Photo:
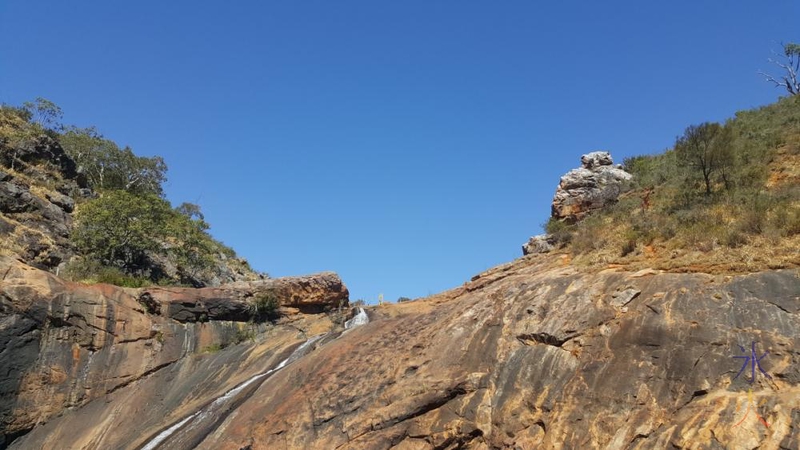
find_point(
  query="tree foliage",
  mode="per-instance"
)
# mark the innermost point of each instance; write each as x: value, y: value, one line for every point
x: 126, y: 230
x: 192, y: 247
x: 43, y: 113
x: 129, y: 234
x: 107, y: 167
x: 121, y: 229
x: 190, y: 210
x: 706, y: 148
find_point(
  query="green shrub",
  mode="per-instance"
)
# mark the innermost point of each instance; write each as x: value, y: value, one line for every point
x: 265, y: 307
x: 91, y: 272
x: 753, y: 214
x: 245, y: 334
x: 589, y: 235
x: 213, y: 348
x: 785, y: 220
x: 119, y: 229
x: 628, y: 247
x: 560, y: 231
x: 733, y: 238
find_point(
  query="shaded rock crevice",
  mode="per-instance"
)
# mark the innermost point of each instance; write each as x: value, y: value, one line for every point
x: 545, y: 338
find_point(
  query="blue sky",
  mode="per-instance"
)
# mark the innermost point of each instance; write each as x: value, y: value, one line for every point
x: 405, y: 145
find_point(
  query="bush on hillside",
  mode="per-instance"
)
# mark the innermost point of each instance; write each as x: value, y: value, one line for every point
x: 121, y: 229
x: 710, y: 191
x: 265, y: 307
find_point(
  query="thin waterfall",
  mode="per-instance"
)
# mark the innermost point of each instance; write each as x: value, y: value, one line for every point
x: 361, y: 318
x: 202, y: 422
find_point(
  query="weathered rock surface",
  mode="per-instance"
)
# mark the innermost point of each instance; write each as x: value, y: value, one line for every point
x: 531, y: 354
x: 594, y: 185
x: 542, y: 243
x: 43, y: 149
x: 64, y: 344
x: 311, y: 294
x: 42, y: 227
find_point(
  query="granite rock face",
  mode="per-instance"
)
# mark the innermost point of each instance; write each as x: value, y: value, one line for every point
x: 36, y: 229
x: 233, y: 301
x: 63, y: 345
x: 596, y: 184
x: 531, y: 354
x: 42, y: 149
x: 542, y: 243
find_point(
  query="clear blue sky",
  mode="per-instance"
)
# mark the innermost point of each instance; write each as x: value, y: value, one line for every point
x: 405, y: 145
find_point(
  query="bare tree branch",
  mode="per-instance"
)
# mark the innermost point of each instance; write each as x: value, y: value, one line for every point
x: 790, y: 80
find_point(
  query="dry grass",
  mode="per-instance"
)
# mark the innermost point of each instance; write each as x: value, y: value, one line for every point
x: 759, y: 252
x: 784, y: 170
x: 12, y: 243
x: 40, y: 191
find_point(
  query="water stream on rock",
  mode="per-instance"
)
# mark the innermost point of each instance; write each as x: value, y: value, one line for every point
x: 359, y: 319
x: 189, y: 432
x: 193, y: 428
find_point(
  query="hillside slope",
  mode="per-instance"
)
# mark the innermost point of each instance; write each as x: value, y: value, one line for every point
x: 746, y: 219
x: 74, y: 203
x: 666, y: 316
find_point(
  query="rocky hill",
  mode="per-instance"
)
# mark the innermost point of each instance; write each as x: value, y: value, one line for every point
x: 532, y: 354
x: 638, y: 321
x: 43, y: 188
x: 724, y: 199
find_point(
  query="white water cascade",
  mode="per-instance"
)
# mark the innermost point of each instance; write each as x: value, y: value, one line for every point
x: 361, y: 318
x: 166, y: 433
x: 207, y: 415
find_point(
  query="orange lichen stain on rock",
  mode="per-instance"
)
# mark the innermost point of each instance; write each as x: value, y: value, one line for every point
x: 76, y: 354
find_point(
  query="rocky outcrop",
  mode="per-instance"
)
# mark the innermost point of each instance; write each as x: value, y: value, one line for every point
x: 531, y: 354
x: 39, y: 188
x: 308, y: 294
x: 541, y: 243
x: 594, y: 185
x: 63, y: 344
x: 36, y: 199
x: 35, y: 228
x: 42, y: 149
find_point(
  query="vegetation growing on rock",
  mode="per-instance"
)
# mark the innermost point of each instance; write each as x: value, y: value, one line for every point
x: 733, y: 188
x: 123, y: 231
x: 265, y: 307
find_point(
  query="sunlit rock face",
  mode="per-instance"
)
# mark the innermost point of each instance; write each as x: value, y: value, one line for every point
x: 64, y: 344
x: 542, y: 243
x: 531, y: 354
x: 594, y: 185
